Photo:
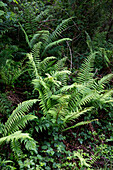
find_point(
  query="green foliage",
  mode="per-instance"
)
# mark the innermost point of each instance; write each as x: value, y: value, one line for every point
x: 11, y: 71
x: 15, y: 136
x: 66, y: 100
x: 5, y: 105
x: 16, y: 121
x: 49, y: 40
x: 5, y: 164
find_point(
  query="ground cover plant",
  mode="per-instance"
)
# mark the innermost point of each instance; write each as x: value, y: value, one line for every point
x: 56, y: 101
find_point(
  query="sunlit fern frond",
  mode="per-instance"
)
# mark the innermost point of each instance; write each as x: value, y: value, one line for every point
x: 60, y: 65
x: 33, y: 65
x: 74, y: 115
x: 106, y: 97
x: 62, y: 76
x: 80, y: 124
x: 85, y: 74
x: 36, y: 53
x: 52, y: 80
x: 56, y: 74
x: 105, y: 80
x: 55, y: 43
x: 44, y: 92
x: 47, y: 64
x: 21, y: 123
x: 59, y: 108
x: 60, y: 28
x: 86, y: 99
x: 43, y: 99
x: 15, y: 136
x: 17, y: 116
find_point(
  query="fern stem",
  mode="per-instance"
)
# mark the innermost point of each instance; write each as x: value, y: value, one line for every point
x: 58, y: 113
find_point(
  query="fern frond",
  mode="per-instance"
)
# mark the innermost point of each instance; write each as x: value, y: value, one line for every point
x: 52, y: 44
x: 42, y: 15
x: 105, y: 79
x: 82, y: 160
x: 60, y: 64
x: 15, y: 136
x: 60, y: 73
x: 106, y: 97
x: 47, y: 64
x: 16, y: 148
x: 89, y: 42
x: 26, y: 36
x: 86, y: 69
x: 86, y: 99
x: 53, y: 80
x: 66, y: 88
x: 60, y: 28
x: 40, y: 36
x: 80, y: 124
x: 17, y: 114
x: 33, y: 65
x: 21, y: 123
x: 75, y: 115
x: 36, y: 52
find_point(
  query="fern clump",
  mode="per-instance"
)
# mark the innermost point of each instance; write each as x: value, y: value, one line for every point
x: 48, y: 41
x: 68, y: 102
x: 16, y: 121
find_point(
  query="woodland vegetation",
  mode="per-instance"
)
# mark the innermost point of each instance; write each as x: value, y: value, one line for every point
x: 56, y: 84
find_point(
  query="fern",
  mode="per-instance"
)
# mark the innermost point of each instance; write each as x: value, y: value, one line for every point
x: 16, y: 146
x: 40, y: 36
x: 80, y: 124
x: 105, y: 80
x: 11, y: 71
x: 50, y: 45
x: 26, y: 36
x: 85, y: 73
x: 60, y: 28
x: 48, y: 40
x: 17, y: 120
x: 33, y: 65
x: 42, y: 15
x: 57, y: 99
x: 5, y: 105
x: 71, y: 116
x: 15, y: 136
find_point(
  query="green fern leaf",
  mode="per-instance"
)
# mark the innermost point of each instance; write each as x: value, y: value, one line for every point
x: 60, y: 28
x: 52, y: 44
x: 26, y: 36
x: 105, y: 79
x: 80, y: 124
x: 75, y: 115
x: 15, y: 136
x: 40, y: 36
x: 17, y: 114
x: 85, y: 74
